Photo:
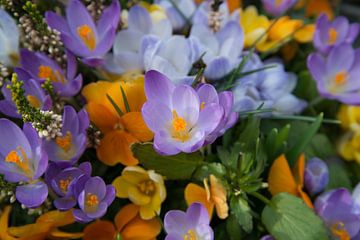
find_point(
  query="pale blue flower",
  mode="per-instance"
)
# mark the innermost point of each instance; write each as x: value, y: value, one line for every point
x: 9, y: 39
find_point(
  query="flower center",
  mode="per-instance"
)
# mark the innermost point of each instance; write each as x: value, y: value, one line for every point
x: 147, y: 187
x: 179, y: 128
x: 190, y: 235
x: 333, y: 34
x: 64, y: 184
x: 278, y: 3
x: 202, y: 105
x: 47, y: 72
x: 33, y: 101
x: 87, y: 35
x: 92, y: 200
x: 64, y: 142
x: 341, y: 78
x: 338, y: 229
x: 19, y: 158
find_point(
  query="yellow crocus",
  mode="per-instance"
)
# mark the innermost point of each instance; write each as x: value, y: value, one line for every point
x: 349, y: 117
x: 119, y: 131
x: 349, y: 146
x: 145, y: 189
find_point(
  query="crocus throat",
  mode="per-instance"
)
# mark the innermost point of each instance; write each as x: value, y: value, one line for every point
x: 47, y: 72
x: 340, y: 78
x: 333, y: 34
x: 64, y: 142
x: 338, y: 229
x: 179, y: 128
x: 278, y: 3
x: 64, y: 184
x: 202, y: 105
x: 190, y: 235
x: 33, y: 101
x: 87, y: 35
x: 91, y: 202
x: 19, y: 158
x: 147, y: 187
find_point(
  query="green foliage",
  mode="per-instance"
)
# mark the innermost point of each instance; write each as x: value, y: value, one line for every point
x: 338, y: 176
x: 242, y: 213
x: 288, y: 218
x: 276, y: 142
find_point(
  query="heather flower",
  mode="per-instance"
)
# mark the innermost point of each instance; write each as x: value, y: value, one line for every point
x: 144, y: 188
x: 9, y: 39
x: 336, y: 75
x: 40, y: 67
x: 93, y: 199
x: 316, y: 176
x: 277, y: 7
x: 192, y: 224
x: 333, y: 33
x: 336, y: 208
x: 176, y: 116
x: 127, y: 54
x: 67, y: 148
x: 24, y: 161
x: 80, y: 34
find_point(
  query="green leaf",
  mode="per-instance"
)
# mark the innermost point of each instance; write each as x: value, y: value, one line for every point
x: 338, y: 176
x: 303, y: 142
x: 117, y: 108
x: 288, y: 218
x: 242, y: 213
x: 250, y: 132
x: 180, y: 166
x: 233, y: 228
x: 204, y: 171
x: 127, y: 106
x: 320, y: 147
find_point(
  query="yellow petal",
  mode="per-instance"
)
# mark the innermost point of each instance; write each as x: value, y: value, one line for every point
x: 121, y: 186
x: 99, y: 230
x: 218, y: 196
x: 141, y: 229
x: 103, y: 118
x: 125, y: 215
x: 135, y: 125
x: 135, y: 174
x: 147, y: 212
x: 305, y: 34
x: 195, y: 193
x: 96, y: 92
x: 138, y: 197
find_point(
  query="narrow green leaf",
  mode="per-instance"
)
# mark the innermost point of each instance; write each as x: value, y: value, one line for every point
x: 117, y: 108
x: 242, y: 212
x: 127, y: 106
x: 233, y: 228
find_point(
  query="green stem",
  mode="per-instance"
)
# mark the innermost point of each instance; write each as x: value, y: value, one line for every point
x: 261, y: 197
x: 304, y: 118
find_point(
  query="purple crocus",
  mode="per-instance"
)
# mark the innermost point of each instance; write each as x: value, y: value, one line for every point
x: 67, y: 148
x: 337, y: 74
x: 334, y: 33
x: 41, y: 67
x: 277, y: 7
x: 33, y: 92
x: 336, y: 208
x: 192, y: 224
x: 23, y: 160
x: 80, y: 34
x: 93, y: 200
x: 176, y: 116
x: 316, y: 176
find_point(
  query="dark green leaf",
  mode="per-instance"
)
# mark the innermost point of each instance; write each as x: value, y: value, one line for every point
x: 242, y: 213
x: 321, y: 147
x: 233, y: 228
x: 338, y: 176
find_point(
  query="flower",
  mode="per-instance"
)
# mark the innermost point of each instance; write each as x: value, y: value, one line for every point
x: 119, y: 131
x: 93, y: 199
x: 63, y: 182
x: 24, y: 161
x: 336, y: 75
x: 336, y: 208
x: 9, y: 38
x: 46, y: 227
x: 4, y: 219
x: 281, y: 179
x: 210, y: 196
x: 192, y: 224
x: 318, y: 7
x: 144, y: 188
x: 316, y: 176
x: 67, y: 148
x: 128, y: 225
x: 127, y: 46
x: 349, y: 117
x: 80, y: 34
x: 176, y: 117
x: 40, y: 67
x: 349, y: 146
x: 329, y: 34
x: 277, y: 7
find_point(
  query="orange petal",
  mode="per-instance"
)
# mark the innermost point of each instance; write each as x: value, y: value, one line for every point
x: 218, y: 196
x: 299, y: 170
x: 31, y: 231
x: 56, y: 218
x: 234, y: 4
x: 280, y: 177
x: 115, y: 148
x: 125, y: 215
x: 100, y: 230
x: 305, y: 197
x: 96, y: 92
x: 141, y: 229
x: 102, y: 117
x: 305, y: 34
x: 195, y: 193
x: 56, y: 234
x: 4, y: 220
x: 135, y: 125
x: 317, y: 7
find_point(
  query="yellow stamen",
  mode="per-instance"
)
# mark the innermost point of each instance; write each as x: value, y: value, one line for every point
x: 341, y: 78
x: 64, y: 142
x: 338, y: 229
x: 64, y: 184
x: 92, y: 200
x: 179, y: 128
x: 47, y: 72
x: 190, y: 235
x: 278, y: 3
x: 147, y: 187
x: 33, y: 101
x: 202, y: 105
x: 87, y: 35
x: 333, y: 35
x: 20, y: 160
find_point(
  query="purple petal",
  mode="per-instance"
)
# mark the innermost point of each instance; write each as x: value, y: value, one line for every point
x: 57, y: 22
x: 70, y: 121
x: 139, y: 19
x: 218, y: 68
x: 340, y: 58
x: 210, y: 117
x: 163, y: 144
x: 32, y: 195
x: 96, y: 185
x: 316, y: 176
x: 104, y: 45
x: 186, y: 103
x: 80, y: 216
x: 316, y: 65
x: 196, y: 215
x: 207, y: 94
x: 101, y: 210
x: 71, y: 65
x: 64, y: 204
x: 109, y: 19
x: 84, y: 120
x: 86, y: 168
x: 175, y: 222
x: 110, y: 195
x: 158, y: 87
x: 353, y: 33
x: 157, y: 116
x: 8, y: 108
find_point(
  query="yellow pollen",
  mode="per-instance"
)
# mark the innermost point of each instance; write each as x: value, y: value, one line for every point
x: 202, y: 105
x: 178, y: 123
x: 278, y: 3
x: 64, y: 142
x: 47, y: 72
x: 33, y: 101
x: 64, y: 184
x: 21, y: 161
x: 338, y: 229
x: 333, y: 34
x: 87, y: 36
x: 340, y: 78
x: 92, y: 200
x: 147, y: 187
x: 190, y: 235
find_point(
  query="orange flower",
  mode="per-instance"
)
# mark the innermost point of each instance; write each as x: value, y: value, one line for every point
x: 4, y: 219
x: 128, y: 224
x: 317, y: 7
x: 232, y: 4
x: 119, y: 131
x: 45, y: 227
x: 210, y: 197
x: 281, y: 179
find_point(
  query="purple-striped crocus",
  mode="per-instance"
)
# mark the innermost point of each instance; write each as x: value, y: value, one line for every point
x: 93, y: 200
x: 336, y: 208
x: 334, y: 33
x: 23, y: 160
x: 67, y: 148
x: 81, y: 35
x: 41, y: 67
x: 277, y: 7
x: 176, y: 116
x: 316, y: 176
x: 192, y: 224
x: 337, y: 74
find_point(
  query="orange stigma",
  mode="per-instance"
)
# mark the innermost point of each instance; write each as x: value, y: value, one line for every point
x: 278, y: 3
x: 178, y: 123
x: 338, y: 229
x: 20, y: 160
x: 202, y: 105
x: 33, y: 101
x: 47, y: 72
x: 333, y: 35
x: 92, y: 200
x: 341, y: 78
x: 64, y: 184
x: 190, y: 235
x: 64, y: 142
x: 87, y: 35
